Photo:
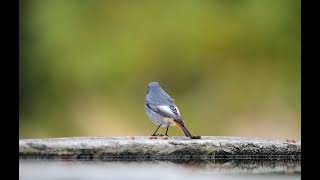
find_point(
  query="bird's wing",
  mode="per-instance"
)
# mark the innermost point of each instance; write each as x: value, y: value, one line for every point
x: 170, y: 111
x: 151, y: 106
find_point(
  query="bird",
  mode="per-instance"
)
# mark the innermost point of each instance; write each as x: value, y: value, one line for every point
x: 162, y: 110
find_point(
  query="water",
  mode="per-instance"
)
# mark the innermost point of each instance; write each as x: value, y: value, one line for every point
x: 185, y: 170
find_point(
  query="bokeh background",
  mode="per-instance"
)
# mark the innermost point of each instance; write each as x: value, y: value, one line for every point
x: 233, y: 67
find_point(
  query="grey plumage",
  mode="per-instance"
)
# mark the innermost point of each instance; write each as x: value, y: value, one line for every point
x: 161, y: 109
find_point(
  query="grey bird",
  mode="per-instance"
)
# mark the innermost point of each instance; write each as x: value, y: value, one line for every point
x: 162, y: 110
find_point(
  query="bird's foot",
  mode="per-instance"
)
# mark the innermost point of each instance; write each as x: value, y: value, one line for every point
x: 157, y: 135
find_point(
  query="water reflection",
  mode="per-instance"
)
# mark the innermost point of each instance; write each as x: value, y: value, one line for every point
x: 252, y: 166
x: 54, y: 170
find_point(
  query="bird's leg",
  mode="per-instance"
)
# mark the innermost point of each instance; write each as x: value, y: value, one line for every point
x: 167, y: 131
x: 154, y: 134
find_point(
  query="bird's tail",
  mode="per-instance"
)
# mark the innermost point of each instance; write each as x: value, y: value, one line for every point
x: 183, y: 127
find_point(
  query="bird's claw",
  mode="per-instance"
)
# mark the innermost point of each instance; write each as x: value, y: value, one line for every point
x: 157, y: 135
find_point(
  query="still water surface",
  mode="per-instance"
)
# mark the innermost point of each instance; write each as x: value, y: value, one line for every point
x: 158, y: 170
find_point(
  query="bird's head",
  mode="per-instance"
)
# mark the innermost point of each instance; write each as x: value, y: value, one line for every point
x: 153, y: 85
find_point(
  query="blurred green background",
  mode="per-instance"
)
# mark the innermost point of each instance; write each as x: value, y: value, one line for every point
x: 232, y: 66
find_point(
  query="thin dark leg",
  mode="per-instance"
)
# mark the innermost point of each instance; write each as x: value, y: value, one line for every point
x: 167, y: 131
x: 156, y: 131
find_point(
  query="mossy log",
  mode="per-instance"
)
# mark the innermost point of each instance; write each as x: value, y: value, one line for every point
x: 160, y: 148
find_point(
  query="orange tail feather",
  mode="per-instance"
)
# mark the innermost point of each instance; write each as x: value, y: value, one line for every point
x: 184, y: 129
